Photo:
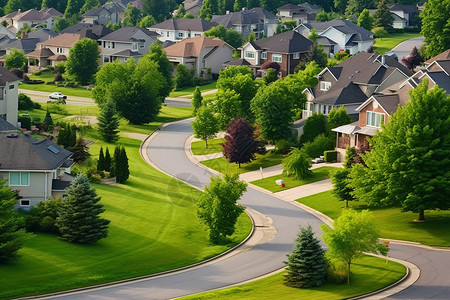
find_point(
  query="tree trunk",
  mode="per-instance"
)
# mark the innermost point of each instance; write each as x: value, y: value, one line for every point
x: 346, y: 203
x: 348, y: 271
x: 239, y: 165
x: 421, y: 215
x: 206, y: 142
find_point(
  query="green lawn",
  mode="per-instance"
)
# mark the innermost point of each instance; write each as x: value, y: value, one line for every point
x: 78, y: 92
x: 214, y: 146
x: 153, y: 228
x: 270, y: 185
x: 392, y: 223
x: 383, y: 45
x: 368, y: 274
x: 190, y: 90
x: 223, y: 166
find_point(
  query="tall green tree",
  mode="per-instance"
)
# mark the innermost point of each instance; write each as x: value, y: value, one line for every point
x: 108, y: 123
x: 228, y: 107
x: 48, y: 121
x: 307, y: 265
x: 217, y: 207
x: 382, y: 17
x: 409, y: 162
x: 239, y: 5
x: 16, y: 60
x: 205, y: 125
x: 340, y: 5
x: 59, y: 5
x: 340, y: 178
x: 108, y: 160
x: 336, y: 118
x: 121, y: 166
x: 240, y: 145
x: 101, y: 161
x: 147, y: 21
x: 436, y: 26
x: 297, y: 164
x: 80, y: 150
x: 73, y: 8
x: 206, y: 11
x: 82, y: 63
x: 157, y: 54
x: 131, y: 16
x: 89, y: 5
x: 357, y: 6
x: 180, y: 12
x: 114, y: 161
x: 11, y: 234
x: 79, y: 220
x: 314, y: 125
x: 197, y: 99
x: 230, y: 36
x: 185, y: 77
x: 365, y: 20
x: 61, y: 24
x: 159, y: 9
x: 353, y: 234
x: 315, y: 53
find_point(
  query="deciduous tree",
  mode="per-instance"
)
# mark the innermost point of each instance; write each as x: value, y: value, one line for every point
x: 413, y: 60
x: 16, y: 60
x: 205, y: 124
x: 217, y: 207
x: 89, y: 5
x: 307, y: 265
x: 297, y: 164
x: 79, y: 220
x: 185, y: 77
x: 197, y: 99
x: 314, y: 125
x: 365, y: 20
x: 336, y: 118
x: 436, y: 26
x: 131, y: 16
x: 240, y: 145
x: 228, y: 107
x: 353, y: 234
x: 82, y: 63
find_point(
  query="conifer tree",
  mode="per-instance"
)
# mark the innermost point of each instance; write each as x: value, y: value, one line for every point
x: 108, y: 122
x: 107, y: 160
x: 72, y: 138
x: 382, y: 17
x: 197, y: 99
x: 114, y: 161
x: 80, y: 150
x: 79, y: 220
x: 48, y: 121
x: 122, y: 168
x: 307, y: 265
x: 240, y: 146
x: 101, y: 161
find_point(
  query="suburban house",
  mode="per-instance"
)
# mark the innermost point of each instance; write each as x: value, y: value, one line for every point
x: 94, y: 32
x: 301, y: 13
x: 193, y: 6
x: 179, y: 29
x: 125, y: 43
x: 378, y: 108
x: 45, y: 17
x: 52, y: 51
x: 9, y: 93
x: 200, y: 53
x: 338, y: 35
x: 111, y: 12
x: 26, y: 45
x: 404, y: 15
x: 37, y: 169
x: 257, y: 20
x: 287, y: 49
x: 42, y: 34
x: 5, y: 32
x: 352, y: 82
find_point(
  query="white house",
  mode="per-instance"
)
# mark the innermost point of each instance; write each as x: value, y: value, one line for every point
x: 9, y: 92
x: 179, y: 29
x: 45, y: 17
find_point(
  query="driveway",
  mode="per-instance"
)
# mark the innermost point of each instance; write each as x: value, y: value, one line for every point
x: 404, y: 48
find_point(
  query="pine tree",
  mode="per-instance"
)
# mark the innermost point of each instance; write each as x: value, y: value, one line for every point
x: 107, y: 161
x: 382, y: 17
x: 115, y: 159
x: 240, y: 146
x: 101, y: 161
x: 60, y: 140
x: 108, y: 122
x: 197, y: 99
x: 72, y: 138
x: 307, y: 266
x: 122, y: 168
x: 48, y: 121
x: 80, y: 151
x: 79, y: 220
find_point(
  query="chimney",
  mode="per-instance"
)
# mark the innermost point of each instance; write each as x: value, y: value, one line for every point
x: 24, y: 35
x: 382, y: 59
x: 227, y: 12
x: 18, y: 10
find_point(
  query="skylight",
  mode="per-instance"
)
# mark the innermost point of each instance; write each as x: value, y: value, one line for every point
x: 53, y: 149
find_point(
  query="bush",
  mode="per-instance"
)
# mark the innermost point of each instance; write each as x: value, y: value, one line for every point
x: 320, y: 144
x: 330, y: 155
x: 297, y: 164
x: 60, y: 68
x: 18, y: 72
x: 380, y: 32
x: 47, y: 224
x: 185, y: 77
x: 25, y: 102
x: 70, y: 84
x: 25, y: 122
x: 283, y: 146
x: 336, y: 274
x: 32, y: 221
x: 95, y: 178
x: 25, y: 77
x: 271, y: 65
x: 341, y: 55
x: 36, y: 105
x: 58, y: 77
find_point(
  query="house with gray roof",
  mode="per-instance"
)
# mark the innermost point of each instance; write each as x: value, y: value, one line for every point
x: 193, y: 6
x: 26, y: 45
x: 339, y: 35
x: 352, y: 82
x: 32, y: 17
x: 178, y: 29
x: 125, y: 43
x: 42, y: 34
x: 301, y: 13
x: 111, y: 12
x: 9, y: 93
x: 287, y: 49
x: 257, y: 20
x: 38, y: 169
x: 404, y: 15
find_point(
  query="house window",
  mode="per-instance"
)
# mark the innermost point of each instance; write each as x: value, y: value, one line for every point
x: 19, y: 178
x: 167, y: 33
x: 324, y: 109
x: 11, y: 86
x: 374, y: 119
x: 277, y: 58
x: 197, y: 34
x: 264, y: 55
x: 59, y: 50
x: 134, y: 47
x: 296, y: 56
x: 325, y: 85
x: 180, y: 34
x: 249, y: 54
x: 24, y: 202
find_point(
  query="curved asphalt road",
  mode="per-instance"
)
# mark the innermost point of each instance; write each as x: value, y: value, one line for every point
x: 166, y: 150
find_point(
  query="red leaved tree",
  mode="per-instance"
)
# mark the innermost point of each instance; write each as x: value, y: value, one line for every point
x: 240, y: 146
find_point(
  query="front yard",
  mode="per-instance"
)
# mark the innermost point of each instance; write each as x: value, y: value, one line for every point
x: 383, y: 45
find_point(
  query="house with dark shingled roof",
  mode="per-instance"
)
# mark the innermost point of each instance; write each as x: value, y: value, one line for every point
x: 111, y: 12
x: 301, y: 13
x: 179, y: 29
x: 38, y: 169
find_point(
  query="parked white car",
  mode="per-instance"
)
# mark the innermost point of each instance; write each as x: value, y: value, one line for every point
x: 57, y: 95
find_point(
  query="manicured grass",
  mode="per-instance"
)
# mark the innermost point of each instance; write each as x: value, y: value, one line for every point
x: 383, y: 45
x: 214, y: 146
x: 270, y: 185
x: 392, y: 223
x: 78, y: 92
x: 223, y: 166
x: 153, y: 228
x: 368, y: 274
x: 190, y: 90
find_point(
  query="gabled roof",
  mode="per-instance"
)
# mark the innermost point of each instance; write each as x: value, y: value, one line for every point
x: 243, y: 17
x: 28, y: 44
x: 309, y: 6
x: 188, y: 4
x: 40, y: 53
x: 325, y: 41
x: 91, y: 31
x: 343, y: 26
x: 27, y: 153
x: 7, y: 76
x: 196, y: 24
x: 238, y: 62
x: 51, y: 11
x: 289, y: 6
x: 111, y: 7
x: 65, y: 40
x: 441, y: 79
x: 126, y: 34
x: 444, y: 65
x: 192, y: 47
x: 127, y: 53
x: 389, y: 103
x: 404, y: 7
x: 442, y: 56
x: 42, y: 34
x: 35, y: 15
x: 286, y: 42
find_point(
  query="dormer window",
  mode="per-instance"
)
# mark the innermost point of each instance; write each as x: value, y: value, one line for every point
x: 325, y: 85
x: 374, y: 119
